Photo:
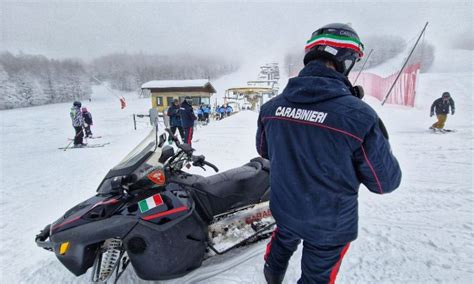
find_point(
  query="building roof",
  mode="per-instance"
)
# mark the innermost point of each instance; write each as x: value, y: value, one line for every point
x: 201, y: 85
x: 250, y: 90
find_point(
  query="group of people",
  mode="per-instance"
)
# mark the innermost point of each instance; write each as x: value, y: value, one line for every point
x: 181, y: 118
x: 223, y: 111
x: 203, y: 113
x: 82, y: 122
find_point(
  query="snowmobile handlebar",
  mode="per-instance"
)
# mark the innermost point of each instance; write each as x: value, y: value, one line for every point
x: 200, y: 161
x: 212, y: 166
x: 42, y: 237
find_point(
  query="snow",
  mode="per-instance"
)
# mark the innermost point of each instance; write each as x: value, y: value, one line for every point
x: 174, y: 83
x: 421, y: 233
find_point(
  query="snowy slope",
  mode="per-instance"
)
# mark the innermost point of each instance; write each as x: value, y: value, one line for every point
x: 422, y: 233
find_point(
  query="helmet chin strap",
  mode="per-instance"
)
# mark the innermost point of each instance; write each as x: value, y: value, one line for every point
x: 348, y: 70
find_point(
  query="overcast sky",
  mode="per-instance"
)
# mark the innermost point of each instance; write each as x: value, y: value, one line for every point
x: 237, y: 29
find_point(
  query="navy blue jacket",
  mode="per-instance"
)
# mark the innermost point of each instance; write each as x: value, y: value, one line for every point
x: 87, y: 117
x: 175, y: 118
x: 322, y: 143
x: 187, y: 115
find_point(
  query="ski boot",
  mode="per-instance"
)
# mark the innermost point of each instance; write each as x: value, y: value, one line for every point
x: 272, y: 278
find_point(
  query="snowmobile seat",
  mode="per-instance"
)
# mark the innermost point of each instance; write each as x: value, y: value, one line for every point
x: 234, y: 188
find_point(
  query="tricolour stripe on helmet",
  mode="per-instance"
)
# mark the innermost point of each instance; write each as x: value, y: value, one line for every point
x: 335, y: 41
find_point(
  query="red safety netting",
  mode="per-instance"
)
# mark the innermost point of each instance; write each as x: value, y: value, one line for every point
x: 403, y: 93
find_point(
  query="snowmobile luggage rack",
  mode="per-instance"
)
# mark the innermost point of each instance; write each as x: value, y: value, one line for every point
x: 243, y: 242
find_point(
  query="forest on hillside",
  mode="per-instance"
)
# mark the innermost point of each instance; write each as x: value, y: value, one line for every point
x: 31, y: 80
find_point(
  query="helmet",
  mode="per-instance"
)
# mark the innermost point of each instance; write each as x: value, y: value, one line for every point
x: 77, y: 104
x: 189, y: 100
x: 446, y: 95
x: 338, y: 43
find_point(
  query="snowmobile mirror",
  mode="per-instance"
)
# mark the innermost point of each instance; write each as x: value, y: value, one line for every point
x: 166, y: 153
x: 116, y: 183
x: 176, y: 141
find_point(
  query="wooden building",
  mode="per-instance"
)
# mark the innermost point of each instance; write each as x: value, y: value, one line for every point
x: 163, y: 92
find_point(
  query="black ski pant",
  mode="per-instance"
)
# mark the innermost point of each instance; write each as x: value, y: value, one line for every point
x: 88, y: 130
x: 319, y: 264
x: 188, y: 135
x: 79, y: 135
x: 180, y: 130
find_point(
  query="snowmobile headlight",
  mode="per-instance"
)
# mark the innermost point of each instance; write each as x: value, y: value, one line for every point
x: 63, y: 248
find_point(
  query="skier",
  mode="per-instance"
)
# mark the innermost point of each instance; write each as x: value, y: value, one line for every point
x: 200, y: 113
x: 187, y: 119
x: 77, y: 123
x: 222, y: 109
x: 175, y: 120
x: 87, y: 122
x: 228, y: 110
x: 206, y: 110
x: 322, y: 142
x: 441, y: 108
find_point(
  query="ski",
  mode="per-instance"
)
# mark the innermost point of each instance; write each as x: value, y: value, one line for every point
x: 93, y: 137
x: 441, y: 130
x: 86, y: 146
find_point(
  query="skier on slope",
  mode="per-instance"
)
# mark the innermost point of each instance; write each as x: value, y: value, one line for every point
x: 87, y: 122
x: 441, y: 108
x: 322, y: 142
x: 77, y: 123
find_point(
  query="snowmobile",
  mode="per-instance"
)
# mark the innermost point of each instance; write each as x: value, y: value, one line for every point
x: 164, y: 221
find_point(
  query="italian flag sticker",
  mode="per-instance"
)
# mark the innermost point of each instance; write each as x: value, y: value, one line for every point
x: 150, y: 203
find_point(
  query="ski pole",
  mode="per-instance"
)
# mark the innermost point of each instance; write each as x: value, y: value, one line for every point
x: 65, y: 148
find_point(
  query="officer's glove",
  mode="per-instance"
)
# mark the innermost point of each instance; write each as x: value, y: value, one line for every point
x: 358, y: 91
x: 431, y: 114
x: 452, y: 112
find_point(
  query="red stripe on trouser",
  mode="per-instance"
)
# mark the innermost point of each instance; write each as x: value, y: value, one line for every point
x: 335, y: 269
x: 189, y: 135
x: 269, y: 245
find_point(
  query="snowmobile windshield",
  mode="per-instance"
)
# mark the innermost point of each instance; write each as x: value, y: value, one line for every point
x: 140, y: 153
